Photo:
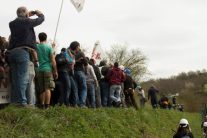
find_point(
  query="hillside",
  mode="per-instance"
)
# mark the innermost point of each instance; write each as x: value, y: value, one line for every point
x: 191, y: 86
x: 109, y: 122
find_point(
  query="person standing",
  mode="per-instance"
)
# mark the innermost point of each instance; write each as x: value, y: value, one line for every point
x: 98, y: 76
x: 116, y: 77
x: 141, y: 92
x: 79, y: 72
x: 30, y: 92
x: 92, y: 84
x: 22, y: 43
x: 104, y: 84
x: 129, y: 86
x: 74, y: 89
x: 63, y: 62
x: 152, y: 94
x: 45, y: 71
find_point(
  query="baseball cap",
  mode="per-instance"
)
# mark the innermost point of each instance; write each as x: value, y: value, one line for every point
x: 127, y: 71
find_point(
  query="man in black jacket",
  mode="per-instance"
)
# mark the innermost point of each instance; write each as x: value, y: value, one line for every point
x: 22, y: 44
x: 152, y: 94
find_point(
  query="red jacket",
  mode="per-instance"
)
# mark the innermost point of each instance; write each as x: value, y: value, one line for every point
x: 115, y: 76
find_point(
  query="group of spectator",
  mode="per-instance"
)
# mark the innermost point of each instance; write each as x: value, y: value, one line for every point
x: 39, y: 77
x: 164, y: 102
x: 82, y: 83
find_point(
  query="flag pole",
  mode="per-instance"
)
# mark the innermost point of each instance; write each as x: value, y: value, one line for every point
x: 61, y: 7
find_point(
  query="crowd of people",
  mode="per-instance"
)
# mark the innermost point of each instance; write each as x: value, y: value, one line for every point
x: 40, y: 77
x: 74, y: 79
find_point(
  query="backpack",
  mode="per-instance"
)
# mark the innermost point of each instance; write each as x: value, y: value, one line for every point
x: 104, y: 70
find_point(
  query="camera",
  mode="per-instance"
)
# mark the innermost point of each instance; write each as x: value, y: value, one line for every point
x: 33, y: 12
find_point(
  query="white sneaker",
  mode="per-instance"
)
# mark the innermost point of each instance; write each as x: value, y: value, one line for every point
x: 119, y: 100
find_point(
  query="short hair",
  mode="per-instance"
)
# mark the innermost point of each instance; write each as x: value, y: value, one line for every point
x: 116, y: 64
x: 92, y: 61
x: 63, y: 50
x: 102, y: 63
x: 42, y: 36
x: 87, y: 58
x: 22, y: 12
x: 74, y: 45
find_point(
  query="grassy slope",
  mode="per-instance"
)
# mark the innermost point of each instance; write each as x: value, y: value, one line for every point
x: 111, y: 122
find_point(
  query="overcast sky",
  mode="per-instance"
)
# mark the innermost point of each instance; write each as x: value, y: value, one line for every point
x: 171, y: 33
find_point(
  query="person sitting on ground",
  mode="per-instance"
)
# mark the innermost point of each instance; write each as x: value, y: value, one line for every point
x: 183, y: 130
x: 164, y: 102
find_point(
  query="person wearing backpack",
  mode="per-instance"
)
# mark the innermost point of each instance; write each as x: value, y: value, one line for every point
x: 63, y: 60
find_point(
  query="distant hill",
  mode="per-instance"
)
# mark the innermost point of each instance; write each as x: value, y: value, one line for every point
x: 63, y: 122
x: 191, y: 86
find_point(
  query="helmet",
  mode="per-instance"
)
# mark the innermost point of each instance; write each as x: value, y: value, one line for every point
x: 184, y: 122
x: 127, y: 71
x: 205, y: 124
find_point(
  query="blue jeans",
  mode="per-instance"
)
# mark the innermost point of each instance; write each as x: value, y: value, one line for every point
x: 91, y: 95
x: 74, y: 100
x: 115, y: 91
x: 65, y: 94
x: 104, y: 87
x: 19, y: 60
x: 98, y: 96
x: 82, y: 88
x: 30, y: 92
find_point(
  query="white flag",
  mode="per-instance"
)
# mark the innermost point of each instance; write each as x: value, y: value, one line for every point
x: 97, y: 53
x: 78, y: 4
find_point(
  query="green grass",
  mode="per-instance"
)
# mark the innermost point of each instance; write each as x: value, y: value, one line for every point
x: 60, y: 122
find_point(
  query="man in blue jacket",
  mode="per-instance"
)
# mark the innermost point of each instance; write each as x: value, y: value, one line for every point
x: 22, y: 44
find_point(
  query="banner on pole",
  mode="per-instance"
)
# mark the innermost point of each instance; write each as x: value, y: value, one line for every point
x: 97, y: 53
x: 78, y: 4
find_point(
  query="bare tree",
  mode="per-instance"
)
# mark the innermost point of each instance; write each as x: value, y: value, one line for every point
x: 131, y: 58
